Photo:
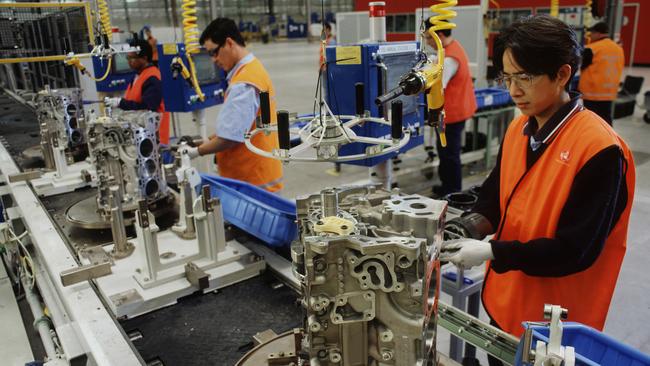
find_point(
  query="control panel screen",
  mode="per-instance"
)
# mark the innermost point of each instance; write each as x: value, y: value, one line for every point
x: 121, y: 64
x: 206, y: 71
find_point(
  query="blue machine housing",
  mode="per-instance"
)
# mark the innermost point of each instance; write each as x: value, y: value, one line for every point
x: 178, y: 94
x: 399, y: 58
x: 120, y: 76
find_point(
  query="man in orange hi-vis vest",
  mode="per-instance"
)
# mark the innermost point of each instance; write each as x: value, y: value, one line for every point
x: 145, y: 91
x: 602, y: 66
x: 247, y: 77
x: 460, y: 104
x: 558, y: 201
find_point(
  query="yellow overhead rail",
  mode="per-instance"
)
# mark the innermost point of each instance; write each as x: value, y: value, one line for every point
x: 18, y: 6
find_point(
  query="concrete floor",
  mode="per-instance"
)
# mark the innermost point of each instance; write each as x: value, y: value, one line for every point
x: 293, y: 68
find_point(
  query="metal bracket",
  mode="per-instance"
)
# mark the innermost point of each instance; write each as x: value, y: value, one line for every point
x: 196, y: 276
x: 85, y: 273
x: 20, y: 177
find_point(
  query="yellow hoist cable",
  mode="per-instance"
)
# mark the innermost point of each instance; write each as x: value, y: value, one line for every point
x: 587, y: 21
x: 105, y: 17
x: 555, y: 8
x: 441, y: 21
x: 191, y: 36
x: 74, y: 61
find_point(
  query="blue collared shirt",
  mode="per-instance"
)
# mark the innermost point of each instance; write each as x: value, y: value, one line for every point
x: 240, y: 108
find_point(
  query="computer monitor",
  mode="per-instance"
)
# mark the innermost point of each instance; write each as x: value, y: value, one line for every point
x: 206, y: 71
x: 121, y: 64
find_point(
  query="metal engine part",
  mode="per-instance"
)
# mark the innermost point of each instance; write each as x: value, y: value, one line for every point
x: 62, y: 123
x: 367, y: 260
x: 124, y: 151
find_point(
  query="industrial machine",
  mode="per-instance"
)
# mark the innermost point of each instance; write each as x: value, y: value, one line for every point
x: 178, y: 93
x: 325, y: 134
x: 119, y: 76
x: 378, y: 66
x: 367, y: 266
x: 63, y: 140
x: 191, y: 86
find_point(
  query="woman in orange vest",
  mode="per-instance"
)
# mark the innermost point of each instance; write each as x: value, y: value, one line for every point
x: 145, y: 91
x: 558, y: 200
x: 460, y: 104
x: 247, y: 77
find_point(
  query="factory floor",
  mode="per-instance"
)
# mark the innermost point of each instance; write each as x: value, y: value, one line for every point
x: 293, y: 69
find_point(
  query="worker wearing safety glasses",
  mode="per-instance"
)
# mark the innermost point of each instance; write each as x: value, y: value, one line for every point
x: 558, y: 201
x: 247, y: 78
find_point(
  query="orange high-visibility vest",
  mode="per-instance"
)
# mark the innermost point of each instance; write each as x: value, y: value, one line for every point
x: 533, y: 205
x: 134, y: 94
x: 599, y: 81
x: 460, y: 102
x: 241, y: 163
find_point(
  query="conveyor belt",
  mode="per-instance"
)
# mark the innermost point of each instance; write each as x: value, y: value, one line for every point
x: 211, y: 329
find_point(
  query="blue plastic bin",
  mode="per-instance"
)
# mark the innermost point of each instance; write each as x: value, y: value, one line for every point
x: 260, y: 213
x: 492, y: 97
x: 592, y: 348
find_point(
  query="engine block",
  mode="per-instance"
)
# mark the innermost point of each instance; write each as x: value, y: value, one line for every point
x: 61, y: 120
x: 368, y: 264
x: 124, y: 150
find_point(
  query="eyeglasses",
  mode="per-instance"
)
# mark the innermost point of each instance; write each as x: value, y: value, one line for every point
x: 521, y: 80
x: 215, y: 51
x: 132, y: 57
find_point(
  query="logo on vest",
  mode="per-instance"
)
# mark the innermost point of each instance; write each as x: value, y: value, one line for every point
x: 564, y: 156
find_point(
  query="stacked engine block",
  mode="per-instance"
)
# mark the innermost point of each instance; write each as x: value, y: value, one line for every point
x: 61, y: 119
x: 368, y: 264
x: 124, y: 150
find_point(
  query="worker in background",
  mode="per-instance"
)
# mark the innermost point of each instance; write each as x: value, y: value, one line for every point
x: 558, y: 201
x: 153, y: 42
x: 145, y: 91
x: 602, y: 66
x: 247, y: 77
x: 460, y: 104
x: 330, y: 40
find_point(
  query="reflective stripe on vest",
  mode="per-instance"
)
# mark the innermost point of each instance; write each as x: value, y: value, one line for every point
x: 460, y: 102
x: 531, y: 203
x: 241, y: 163
x: 599, y: 81
x: 134, y: 94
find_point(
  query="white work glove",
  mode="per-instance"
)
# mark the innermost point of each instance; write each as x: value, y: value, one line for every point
x: 192, y: 152
x: 112, y: 102
x: 466, y: 253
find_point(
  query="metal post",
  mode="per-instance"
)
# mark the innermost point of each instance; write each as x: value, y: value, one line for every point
x: 377, y: 21
x: 330, y: 202
x: 199, y: 119
x: 382, y: 172
x: 122, y: 248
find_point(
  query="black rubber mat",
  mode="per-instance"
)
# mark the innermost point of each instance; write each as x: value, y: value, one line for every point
x: 217, y: 328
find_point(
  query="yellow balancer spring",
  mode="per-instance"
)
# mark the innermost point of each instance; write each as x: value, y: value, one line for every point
x: 105, y: 17
x: 191, y: 36
x: 440, y: 21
